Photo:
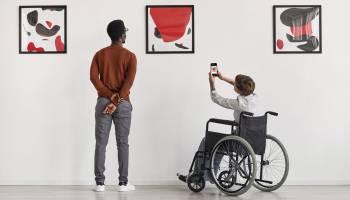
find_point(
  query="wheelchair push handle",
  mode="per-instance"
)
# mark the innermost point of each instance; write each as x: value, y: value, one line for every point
x: 271, y: 113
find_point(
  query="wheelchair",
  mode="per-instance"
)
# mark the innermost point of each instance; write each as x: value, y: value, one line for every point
x: 247, y: 156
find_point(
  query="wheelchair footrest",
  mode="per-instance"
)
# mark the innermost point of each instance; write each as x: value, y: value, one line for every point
x: 264, y: 181
x: 182, y: 177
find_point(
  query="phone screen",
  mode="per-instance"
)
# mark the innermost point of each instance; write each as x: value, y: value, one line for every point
x: 214, y: 69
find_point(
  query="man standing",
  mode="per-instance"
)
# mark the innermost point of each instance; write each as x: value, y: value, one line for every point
x: 112, y: 73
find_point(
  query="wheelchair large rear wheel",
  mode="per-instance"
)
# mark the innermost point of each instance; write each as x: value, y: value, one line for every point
x: 228, y: 165
x: 274, y: 166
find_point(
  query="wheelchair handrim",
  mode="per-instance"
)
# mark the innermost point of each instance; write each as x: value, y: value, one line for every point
x: 249, y: 179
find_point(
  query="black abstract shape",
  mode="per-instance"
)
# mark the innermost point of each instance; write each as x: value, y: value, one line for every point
x: 32, y: 17
x: 153, y: 49
x: 181, y: 46
x: 302, y: 38
x: 189, y: 31
x: 45, y: 32
x: 299, y: 16
x: 157, y: 33
x: 53, y: 8
x: 312, y: 44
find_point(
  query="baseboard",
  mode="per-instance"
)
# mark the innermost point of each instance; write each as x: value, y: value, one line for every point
x: 85, y: 182
x: 158, y: 182
x: 317, y: 182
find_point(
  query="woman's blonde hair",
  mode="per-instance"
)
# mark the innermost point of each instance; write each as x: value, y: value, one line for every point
x: 244, y: 84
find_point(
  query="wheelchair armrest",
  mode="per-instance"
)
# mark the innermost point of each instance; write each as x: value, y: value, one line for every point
x: 271, y: 113
x: 222, y: 121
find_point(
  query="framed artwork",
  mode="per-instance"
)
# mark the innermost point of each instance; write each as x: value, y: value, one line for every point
x: 297, y: 29
x: 42, y: 29
x: 169, y: 29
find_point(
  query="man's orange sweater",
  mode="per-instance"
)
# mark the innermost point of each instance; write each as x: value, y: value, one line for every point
x: 113, y: 71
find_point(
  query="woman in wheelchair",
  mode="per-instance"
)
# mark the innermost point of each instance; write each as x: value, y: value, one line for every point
x: 238, y: 151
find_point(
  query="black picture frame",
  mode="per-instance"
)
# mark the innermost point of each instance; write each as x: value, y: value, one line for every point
x: 191, y: 51
x: 275, y: 48
x: 64, y: 7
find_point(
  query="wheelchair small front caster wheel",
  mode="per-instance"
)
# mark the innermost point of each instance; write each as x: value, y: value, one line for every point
x: 196, y: 182
x: 226, y: 179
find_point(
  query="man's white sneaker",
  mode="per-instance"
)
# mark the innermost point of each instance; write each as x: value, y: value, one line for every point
x: 125, y: 187
x: 99, y: 188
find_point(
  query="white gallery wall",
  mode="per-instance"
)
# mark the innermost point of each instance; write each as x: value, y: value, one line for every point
x: 47, y: 101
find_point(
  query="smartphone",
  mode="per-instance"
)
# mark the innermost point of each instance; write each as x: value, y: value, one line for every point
x: 214, y: 69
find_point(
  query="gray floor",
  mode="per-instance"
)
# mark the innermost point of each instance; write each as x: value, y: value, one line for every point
x: 168, y: 193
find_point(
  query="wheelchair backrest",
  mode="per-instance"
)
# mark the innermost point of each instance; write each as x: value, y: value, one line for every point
x: 253, y: 129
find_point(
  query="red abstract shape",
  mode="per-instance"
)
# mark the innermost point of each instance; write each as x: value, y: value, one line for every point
x: 31, y: 48
x: 279, y: 44
x: 59, y: 44
x: 49, y: 24
x: 171, y: 22
x: 301, y: 30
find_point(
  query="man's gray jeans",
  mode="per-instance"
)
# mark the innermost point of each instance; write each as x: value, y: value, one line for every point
x: 121, y: 119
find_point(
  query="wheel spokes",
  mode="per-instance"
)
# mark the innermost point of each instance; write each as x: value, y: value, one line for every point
x: 274, y: 165
x: 234, y: 173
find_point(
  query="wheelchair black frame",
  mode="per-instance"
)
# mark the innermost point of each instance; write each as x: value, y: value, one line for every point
x: 206, y: 154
